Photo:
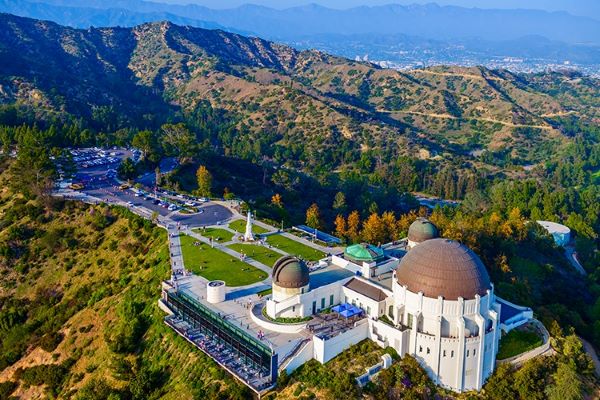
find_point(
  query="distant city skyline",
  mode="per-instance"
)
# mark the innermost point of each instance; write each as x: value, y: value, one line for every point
x: 589, y: 8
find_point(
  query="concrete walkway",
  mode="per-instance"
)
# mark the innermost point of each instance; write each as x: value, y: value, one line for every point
x: 177, y: 264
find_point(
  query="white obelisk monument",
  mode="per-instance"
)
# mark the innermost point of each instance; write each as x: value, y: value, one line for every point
x: 248, y: 237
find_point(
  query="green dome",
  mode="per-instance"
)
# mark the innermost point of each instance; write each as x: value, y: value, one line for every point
x: 363, y: 252
x: 421, y: 230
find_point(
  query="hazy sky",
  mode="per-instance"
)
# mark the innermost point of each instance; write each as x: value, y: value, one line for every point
x: 590, y: 8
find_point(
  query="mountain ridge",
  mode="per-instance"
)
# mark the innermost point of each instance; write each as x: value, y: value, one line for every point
x: 279, y: 95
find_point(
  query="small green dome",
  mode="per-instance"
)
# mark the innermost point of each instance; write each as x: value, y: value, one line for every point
x: 421, y: 230
x: 363, y: 252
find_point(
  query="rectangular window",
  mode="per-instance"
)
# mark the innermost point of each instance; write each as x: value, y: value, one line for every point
x: 369, y: 310
x: 444, y: 353
x: 323, y: 302
x: 293, y: 308
x: 331, y: 300
x: 452, y: 353
x: 467, y: 353
x: 428, y: 351
x: 474, y: 350
x: 410, y: 321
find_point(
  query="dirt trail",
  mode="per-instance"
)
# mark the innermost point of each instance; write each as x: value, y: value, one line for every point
x: 452, y: 117
x: 491, y: 78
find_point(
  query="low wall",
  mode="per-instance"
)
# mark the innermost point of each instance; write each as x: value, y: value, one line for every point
x: 273, y: 326
x: 305, y: 355
x: 325, y: 350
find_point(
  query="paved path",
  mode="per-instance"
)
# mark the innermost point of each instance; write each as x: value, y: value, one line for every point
x: 570, y: 254
x: 177, y: 264
x: 324, y: 249
x: 592, y: 352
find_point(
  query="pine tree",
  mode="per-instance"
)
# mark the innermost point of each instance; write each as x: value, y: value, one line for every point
x: 339, y: 202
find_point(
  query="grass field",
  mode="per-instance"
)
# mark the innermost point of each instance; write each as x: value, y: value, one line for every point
x: 240, y: 226
x: 258, y: 253
x: 295, y: 248
x: 213, y: 264
x: 517, y: 342
x: 219, y: 235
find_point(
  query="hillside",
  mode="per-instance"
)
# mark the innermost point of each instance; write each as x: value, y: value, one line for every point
x: 288, y: 101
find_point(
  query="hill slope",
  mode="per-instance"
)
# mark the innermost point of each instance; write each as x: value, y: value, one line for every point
x: 284, y: 98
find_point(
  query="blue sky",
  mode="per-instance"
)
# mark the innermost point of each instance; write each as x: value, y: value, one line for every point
x: 590, y: 8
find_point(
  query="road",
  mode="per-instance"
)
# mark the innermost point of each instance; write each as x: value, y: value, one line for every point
x: 592, y: 353
x: 571, y: 256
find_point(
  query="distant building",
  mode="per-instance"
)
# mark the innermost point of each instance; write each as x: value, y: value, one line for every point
x: 560, y: 233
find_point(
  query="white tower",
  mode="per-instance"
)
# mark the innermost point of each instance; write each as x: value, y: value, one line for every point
x: 248, y: 237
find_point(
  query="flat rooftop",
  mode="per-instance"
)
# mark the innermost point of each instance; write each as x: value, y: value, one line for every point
x: 327, y: 275
x: 237, y: 308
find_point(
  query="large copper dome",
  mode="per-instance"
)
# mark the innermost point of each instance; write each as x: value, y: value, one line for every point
x: 289, y: 272
x: 442, y: 267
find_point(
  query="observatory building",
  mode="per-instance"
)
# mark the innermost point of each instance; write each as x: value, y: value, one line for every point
x: 424, y: 296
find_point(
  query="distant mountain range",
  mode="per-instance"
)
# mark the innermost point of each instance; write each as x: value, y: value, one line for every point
x: 288, y: 101
x: 383, y: 32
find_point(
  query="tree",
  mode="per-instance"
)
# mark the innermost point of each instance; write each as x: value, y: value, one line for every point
x: 204, y: 178
x: 340, y: 226
x: 313, y: 216
x: 157, y: 177
x: 373, y: 229
x: 390, y: 226
x: 277, y: 201
x: 500, y: 386
x: 339, y: 202
x: 127, y: 169
x: 530, y: 379
x: 567, y: 384
x: 353, y: 229
x: 148, y: 144
x: 228, y: 194
x: 179, y: 141
x: 33, y: 171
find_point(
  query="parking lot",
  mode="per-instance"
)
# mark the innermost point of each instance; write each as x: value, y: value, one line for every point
x: 96, y: 172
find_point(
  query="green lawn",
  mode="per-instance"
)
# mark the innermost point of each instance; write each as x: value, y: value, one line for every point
x: 240, y: 226
x: 295, y: 248
x: 517, y: 342
x: 218, y: 234
x: 213, y: 264
x: 258, y: 253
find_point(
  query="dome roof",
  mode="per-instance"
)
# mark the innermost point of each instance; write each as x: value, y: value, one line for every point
x: 363, y: 252
x: 289, y: 272
x: 442, y: 267
x: 421, y: 230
